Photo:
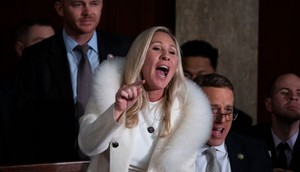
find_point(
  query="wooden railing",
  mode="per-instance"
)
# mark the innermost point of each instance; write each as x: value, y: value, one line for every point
x: 78, y: 166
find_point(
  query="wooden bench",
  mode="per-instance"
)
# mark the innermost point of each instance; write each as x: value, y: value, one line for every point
x: 78, y: 166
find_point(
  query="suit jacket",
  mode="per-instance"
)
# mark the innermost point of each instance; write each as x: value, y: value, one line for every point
x: 45, y: 128
x: 243, y: 122
x: 263, y: 131
x: 110, y: 145
x: 247, y: 154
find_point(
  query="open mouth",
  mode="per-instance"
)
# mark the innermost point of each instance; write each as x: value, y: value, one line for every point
x: 162, y: 70
x: 217, y: 131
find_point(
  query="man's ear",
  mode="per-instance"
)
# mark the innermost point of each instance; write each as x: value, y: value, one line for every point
x: 268, y: 104
x: 59, y: 8
x: 19, y: 46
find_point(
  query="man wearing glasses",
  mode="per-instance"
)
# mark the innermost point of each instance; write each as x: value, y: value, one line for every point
x: 227, y: 151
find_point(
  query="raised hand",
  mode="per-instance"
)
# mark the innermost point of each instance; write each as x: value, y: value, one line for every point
x: 126, y: 97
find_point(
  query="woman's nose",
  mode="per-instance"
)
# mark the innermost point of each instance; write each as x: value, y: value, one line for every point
x: 165, y: 56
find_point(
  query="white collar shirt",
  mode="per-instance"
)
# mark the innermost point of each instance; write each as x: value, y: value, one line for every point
x: 73, y: 58
x: 222, y: 158
x: 291, y: 142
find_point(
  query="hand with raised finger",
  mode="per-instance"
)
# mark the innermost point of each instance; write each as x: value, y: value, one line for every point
x: 127, y: 96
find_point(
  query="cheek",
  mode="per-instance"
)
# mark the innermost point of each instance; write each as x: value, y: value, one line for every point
x: 278, y: 102
x: 97, y: 12
x: 229, y: 123
x: 145, y: 71
x: 175, y: 65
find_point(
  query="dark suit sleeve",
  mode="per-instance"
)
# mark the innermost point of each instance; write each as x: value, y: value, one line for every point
x: 43, y: 121
x: 24, y: 113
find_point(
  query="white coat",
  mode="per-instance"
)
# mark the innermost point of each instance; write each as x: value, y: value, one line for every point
x: 110, y: 144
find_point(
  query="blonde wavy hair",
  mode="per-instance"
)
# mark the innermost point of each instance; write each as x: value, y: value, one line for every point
x: 135, y: 61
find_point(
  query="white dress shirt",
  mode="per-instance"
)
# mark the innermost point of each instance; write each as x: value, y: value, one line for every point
x: 291, y: 142
x: 222, y: 158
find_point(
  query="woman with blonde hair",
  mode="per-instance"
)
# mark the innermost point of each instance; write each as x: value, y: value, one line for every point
x: 143, y: 114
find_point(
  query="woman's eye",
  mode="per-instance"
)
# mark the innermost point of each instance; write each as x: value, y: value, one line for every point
x: 156, y: 48
x: 172, y: 52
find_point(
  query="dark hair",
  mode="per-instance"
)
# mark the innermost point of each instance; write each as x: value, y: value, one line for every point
x: 200, y: 48
x: 24, y: 26
x: 272, y: 83
x: 213, y: 80
x: 271, y: 86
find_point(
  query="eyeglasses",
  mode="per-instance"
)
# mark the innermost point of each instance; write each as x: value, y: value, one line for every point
x: 229, y: 114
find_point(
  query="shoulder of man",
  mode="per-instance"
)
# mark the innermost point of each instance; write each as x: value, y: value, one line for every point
x: 53, y: 43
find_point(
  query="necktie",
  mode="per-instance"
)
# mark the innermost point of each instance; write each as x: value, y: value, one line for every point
x: 84, y: 78
x: 212, y: 164
x: 281, y: 161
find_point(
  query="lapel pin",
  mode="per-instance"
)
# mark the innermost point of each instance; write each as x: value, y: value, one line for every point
x: 240, y: 156
x: 110, y: 56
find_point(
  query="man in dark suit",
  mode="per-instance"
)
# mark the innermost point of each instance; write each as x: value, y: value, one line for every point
x: 283, y: 102
x: 233, y: 152
x: 28, y: 32
x: 45, y: 122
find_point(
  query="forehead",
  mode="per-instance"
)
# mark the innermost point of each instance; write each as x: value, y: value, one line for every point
x: 219, y: 96
x: 196, y: 61
x: 41, y: 29
x: 162, y: 37
x: 289, y: 81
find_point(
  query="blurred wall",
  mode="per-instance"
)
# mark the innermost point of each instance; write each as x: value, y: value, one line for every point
x: 232, y: 27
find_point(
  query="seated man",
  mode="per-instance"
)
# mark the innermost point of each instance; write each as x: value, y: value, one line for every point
x: 232, y: 152
x: 283, y: 103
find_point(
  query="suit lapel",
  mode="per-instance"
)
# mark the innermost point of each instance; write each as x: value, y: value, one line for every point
x: 238, y: 161
x: 296, y: 156
x: 102, y: 46
x: 59, y: 65
x: 270, y: 143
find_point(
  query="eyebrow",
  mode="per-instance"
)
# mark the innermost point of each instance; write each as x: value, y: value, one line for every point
x: 160, y: 42
x: 285, y: 88
x: 227, y: 106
